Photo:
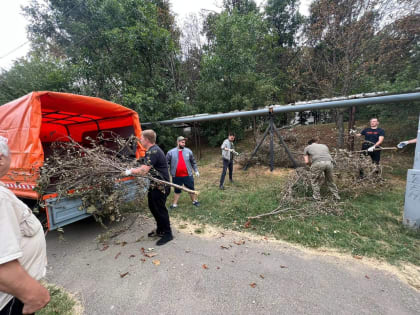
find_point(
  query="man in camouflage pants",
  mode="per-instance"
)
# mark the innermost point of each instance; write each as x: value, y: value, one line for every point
x: 318, y: 157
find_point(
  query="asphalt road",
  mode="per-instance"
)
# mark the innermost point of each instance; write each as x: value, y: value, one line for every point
x: 227, y: 274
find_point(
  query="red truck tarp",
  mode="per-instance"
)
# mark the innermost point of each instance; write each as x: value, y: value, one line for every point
x: 44, y: 117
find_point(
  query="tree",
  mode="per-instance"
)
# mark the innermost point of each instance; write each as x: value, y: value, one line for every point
x: 342, y: 48
x: 192, y: 51
x: 240, y: 6
x: 36, y: 72
x: 123, y: 50
x: 230, y: 77
x: 285, y: 20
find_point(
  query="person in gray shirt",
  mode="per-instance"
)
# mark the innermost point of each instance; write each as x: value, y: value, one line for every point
x: 228, y: 150
x: 318, y: 157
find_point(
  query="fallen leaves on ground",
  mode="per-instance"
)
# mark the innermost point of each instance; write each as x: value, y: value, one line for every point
x: 122, y: 275
x: 357, y: 257
x: 104, y: 248
x: 281, y: 266
x: 261, y: 276
x: 224, y: 247
x: 247, y: 224
x: 150, y: 255
x: 205, y: 266
x: 253, y: 285
x: 156, y: 262
x: 367, y: 277
x: 118, y: 255
x: 240, y: 242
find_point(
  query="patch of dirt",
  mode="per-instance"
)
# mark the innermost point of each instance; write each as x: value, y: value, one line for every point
x: 78, y: 308
x: 406, y: 272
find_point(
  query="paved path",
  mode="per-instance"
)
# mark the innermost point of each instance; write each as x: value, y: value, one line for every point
x: 257, y: 277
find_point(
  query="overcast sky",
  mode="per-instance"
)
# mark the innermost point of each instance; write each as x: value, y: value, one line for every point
x: 14, y: 43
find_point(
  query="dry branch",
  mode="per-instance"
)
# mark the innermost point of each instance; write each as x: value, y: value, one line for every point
x: 159, y: 181
x: 92, y: 171
x: 354, y: 173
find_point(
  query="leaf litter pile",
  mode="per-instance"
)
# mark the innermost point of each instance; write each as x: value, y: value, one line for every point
x: 354, y: 173
x: 93, y: 173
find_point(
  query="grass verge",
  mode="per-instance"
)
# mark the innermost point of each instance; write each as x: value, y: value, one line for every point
x: 370, y: 226
x: 61, y: 303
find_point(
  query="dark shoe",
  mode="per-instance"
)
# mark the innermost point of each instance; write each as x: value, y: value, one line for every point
x: 196, y: 203
x: 231, y: 181
x: 155, y: 233
x: 222, y: 187
x: 167, y: 237
x: 173, y: 206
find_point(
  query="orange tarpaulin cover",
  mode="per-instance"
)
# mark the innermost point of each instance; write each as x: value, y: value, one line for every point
x: 40, y: 117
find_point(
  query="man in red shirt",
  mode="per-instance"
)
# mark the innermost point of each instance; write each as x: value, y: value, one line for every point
x: 182, y: 164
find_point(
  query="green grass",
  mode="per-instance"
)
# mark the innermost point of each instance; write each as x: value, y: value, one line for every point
x: 61, y: 303
x: 370, y: 226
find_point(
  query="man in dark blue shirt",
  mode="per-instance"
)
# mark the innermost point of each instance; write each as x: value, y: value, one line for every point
x: 374, y: 137
x: 155, y: 164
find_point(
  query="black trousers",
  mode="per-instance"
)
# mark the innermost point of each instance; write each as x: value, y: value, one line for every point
x: 14, y: 307
x: 227, y: 164
x: 375, y: 155
x: 157, y: 206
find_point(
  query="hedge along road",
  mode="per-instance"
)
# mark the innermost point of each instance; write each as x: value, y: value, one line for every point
x: 227, y: 273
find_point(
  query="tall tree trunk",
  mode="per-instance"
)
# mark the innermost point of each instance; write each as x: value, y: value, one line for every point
x: 340, y: 126
x: 254, y: 127
x: 352, y: 121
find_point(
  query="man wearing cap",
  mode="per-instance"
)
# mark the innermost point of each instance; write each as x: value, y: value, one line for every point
x: 181, y: 164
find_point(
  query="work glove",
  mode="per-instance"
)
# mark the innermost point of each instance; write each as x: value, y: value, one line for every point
x: 234, y: 152
x: 127, y: 172
x: 371, y: 149
x: 197, y: 174
x: 402, y: 144
x: 352, y: 132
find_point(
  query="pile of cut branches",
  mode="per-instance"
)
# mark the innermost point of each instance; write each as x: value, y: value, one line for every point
x: 93, y: 173
x: 354, y: 173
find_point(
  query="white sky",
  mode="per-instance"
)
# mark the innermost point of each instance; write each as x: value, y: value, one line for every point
x: 13, y: 23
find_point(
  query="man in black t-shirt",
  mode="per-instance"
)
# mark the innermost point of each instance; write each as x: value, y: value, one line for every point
x: 374, y: 137
x: 155, y: 164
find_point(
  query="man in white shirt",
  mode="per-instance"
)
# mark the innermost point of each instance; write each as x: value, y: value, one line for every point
x: 23, y: 256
